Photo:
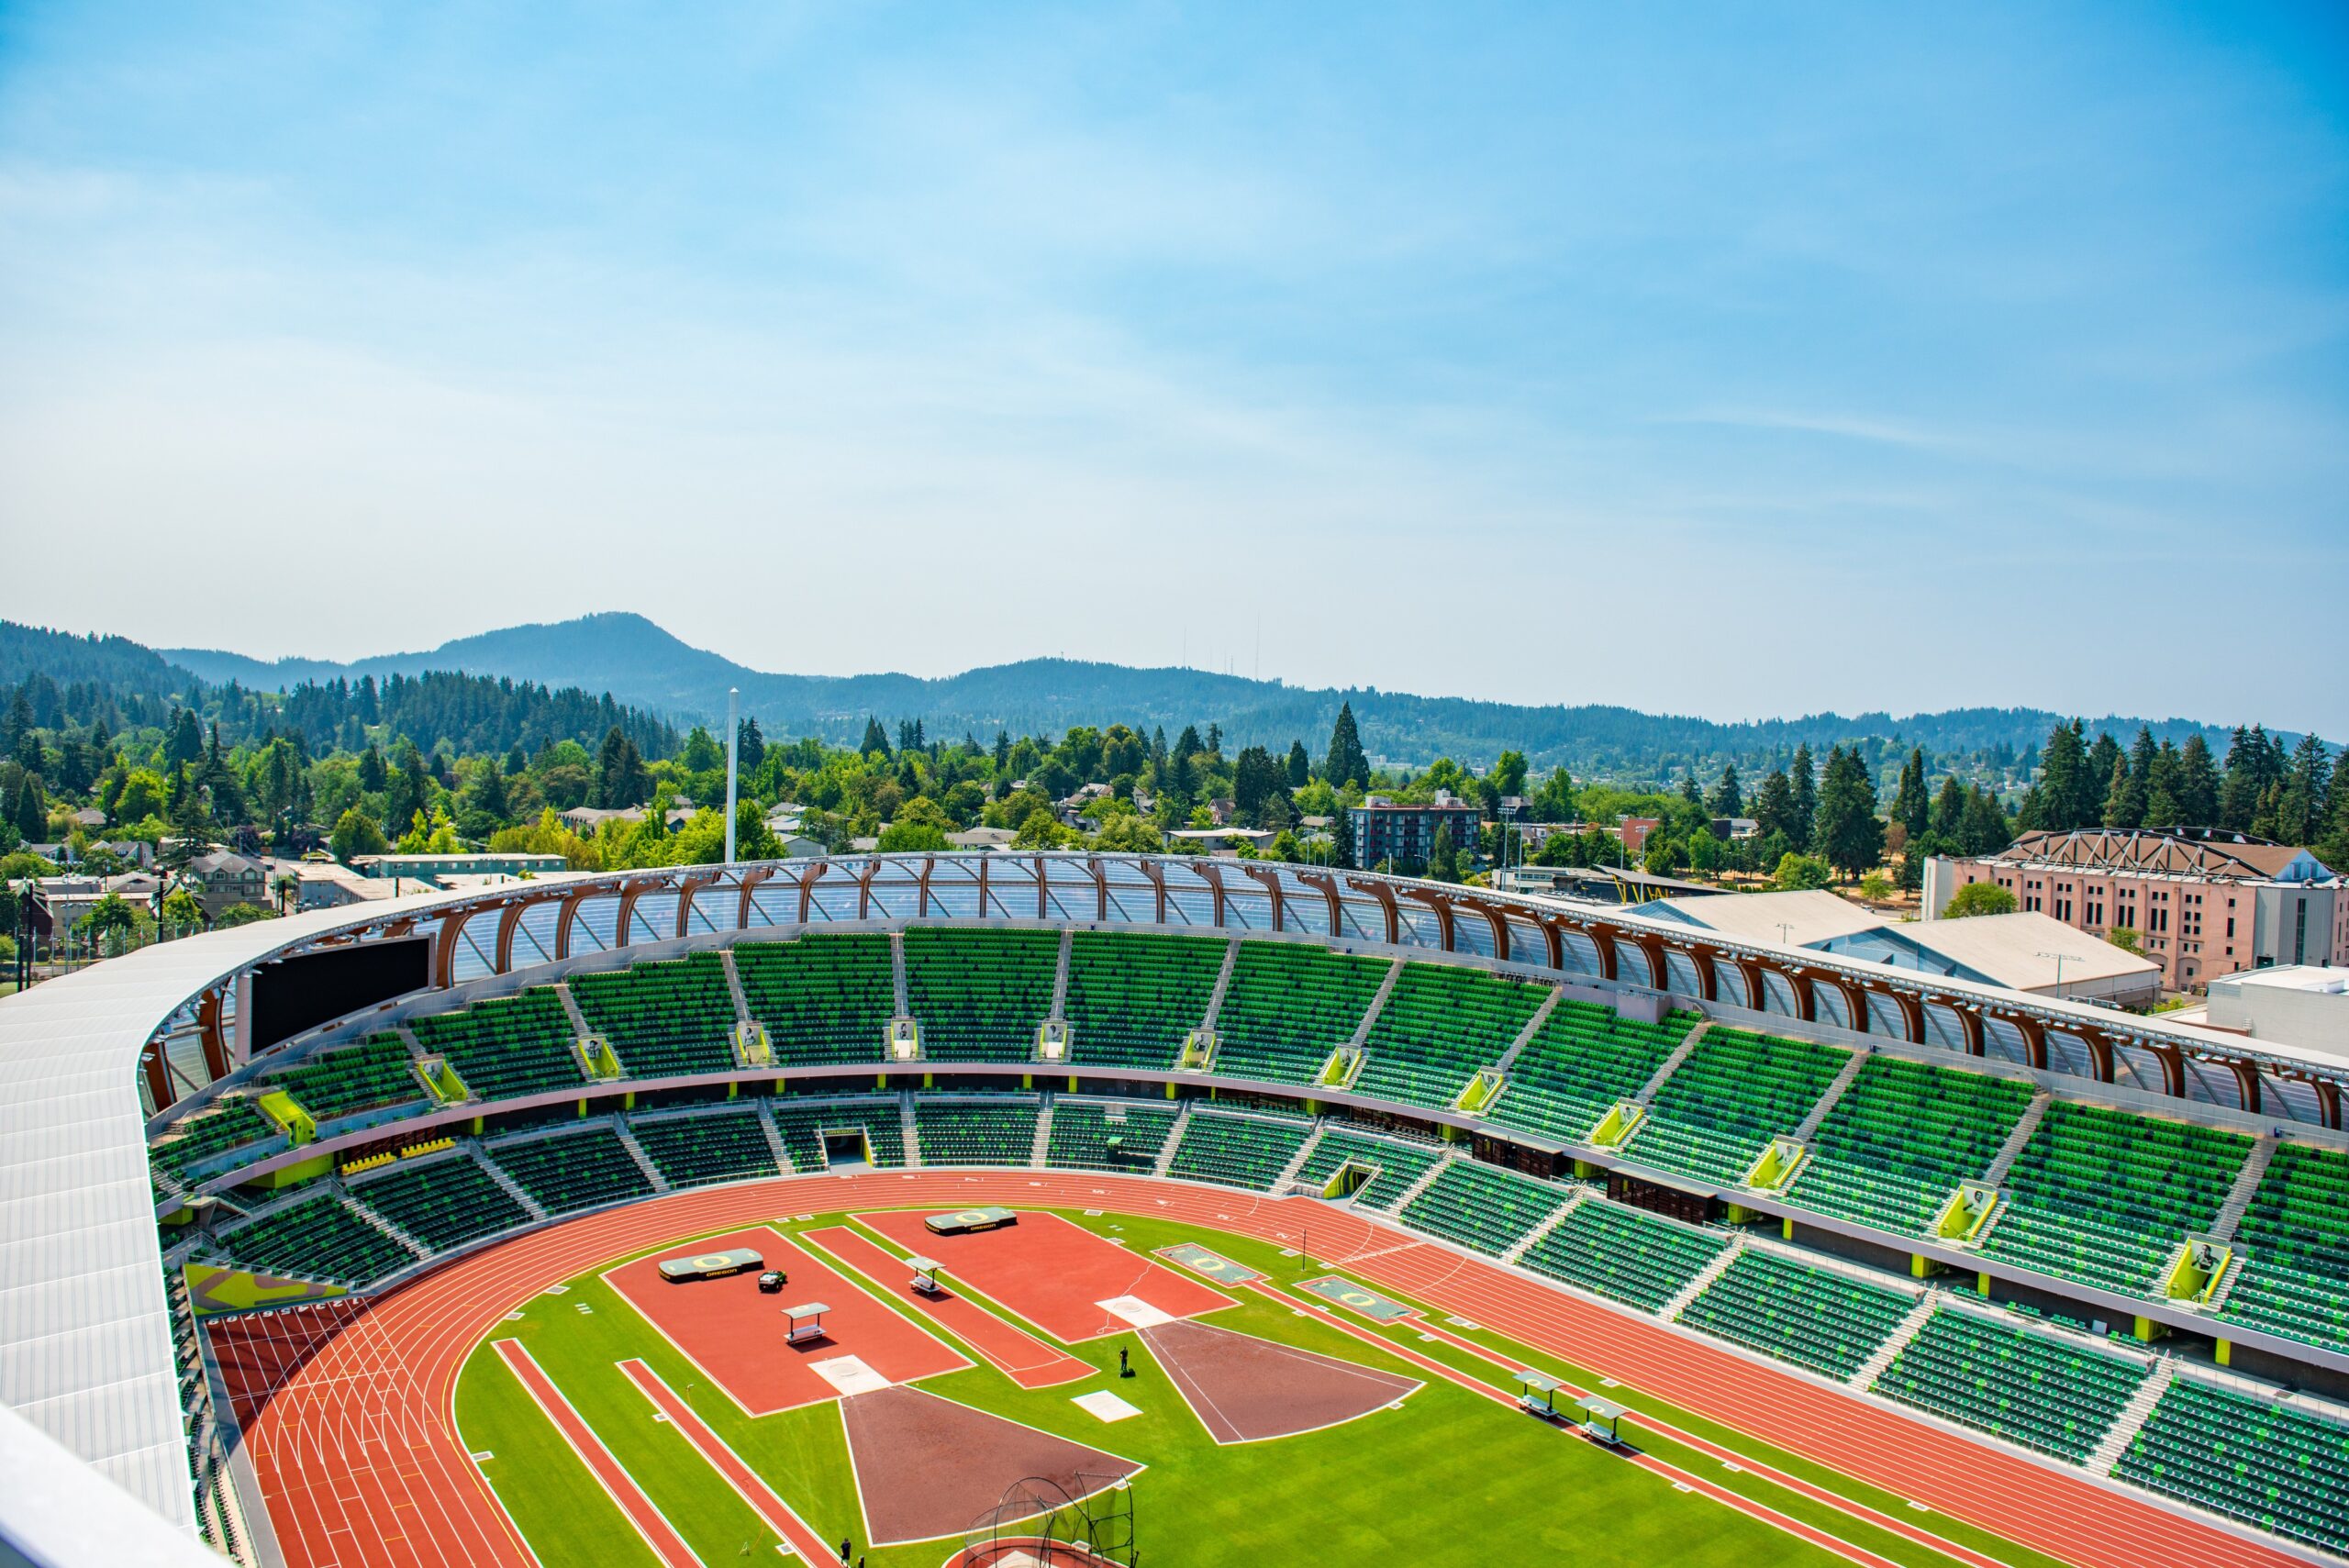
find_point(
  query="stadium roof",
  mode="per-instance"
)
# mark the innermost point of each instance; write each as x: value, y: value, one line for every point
x: 1805, y: 917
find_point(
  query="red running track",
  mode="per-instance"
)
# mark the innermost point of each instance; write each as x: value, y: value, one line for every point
x: 658, y: 1532
x: 1011, y: 1351
x: 393, y: 1368
x: 748, y: 1484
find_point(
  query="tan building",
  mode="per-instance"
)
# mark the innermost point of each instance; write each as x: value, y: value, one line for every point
x: 2203, y: 901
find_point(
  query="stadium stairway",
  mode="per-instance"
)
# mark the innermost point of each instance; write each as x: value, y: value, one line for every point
x: 908, y: 1130
x: 773, y: 1135
x: 1043, y: 1139
x: 1287, y: 1178
x: 1222, y: 984
x: 1378, y: 1001
x: 579, y: 1025
x: 635, y: 1151
x: 512, y: 1188
x: 897, y: 973
x: 1533, y: 1237
x: 1175, y: 1133
x: 1889, y: 1351
x: 2248, y: 1180
x: 1060, y: 977
x: 1426, y: 1180
x: 2132, y: 1420
x: 1810, y: 1124
x: 1671, y: 1064
x: 385, y: 1226
x: 1533, y: 1027
x: 2010, y: 1150
x: 734, y: 986
x: 1671, y: 1310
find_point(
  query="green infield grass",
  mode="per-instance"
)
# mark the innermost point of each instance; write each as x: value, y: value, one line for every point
x: 1449, y: 1478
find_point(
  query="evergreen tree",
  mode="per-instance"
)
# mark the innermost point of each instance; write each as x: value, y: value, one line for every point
x: 2063, y: 798
x: 1773, y: 805
x: 877, y: 739
x: 2124, y: 795
x: 1688, y: 790
x: 31, y: 813
x: 1346, y: 764
x: 1003, y: 748
x: 19, y: 737
x: 1910, y: 807
x: 1342, y: 840
x: 1727, y: 799
x: 2162, y: 806
x: 1983, y: 829
x: 1215, y: 739
x: 2300, y: 809
x: 185, y: 743
x: 1804, y: 782
x: 1949, y: 811
x: 2253, y: 763
x: 372, y: 773
x: 1443, y: 859
x: 2102, y: 756
x: 1300, y: 766
x: 1848, y: 835
x: 2333, y: 844
x: 750, y: 747
x: 2197, y: 783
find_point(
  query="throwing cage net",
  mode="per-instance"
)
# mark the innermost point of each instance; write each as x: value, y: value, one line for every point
x: 1038, y: 1524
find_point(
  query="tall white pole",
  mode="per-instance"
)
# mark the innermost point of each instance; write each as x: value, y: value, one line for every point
x: 733, y: 745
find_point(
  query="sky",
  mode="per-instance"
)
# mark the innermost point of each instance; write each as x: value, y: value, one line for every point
x: 1722, y: 359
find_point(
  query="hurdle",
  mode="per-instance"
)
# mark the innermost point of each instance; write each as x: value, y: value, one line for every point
x: 807, y: 1323
x: 926, y: 1275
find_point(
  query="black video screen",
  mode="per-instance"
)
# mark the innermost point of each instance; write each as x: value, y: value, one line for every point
x: 297, y: 994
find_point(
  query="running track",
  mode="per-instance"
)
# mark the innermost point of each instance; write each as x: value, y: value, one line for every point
x: 369, y: 1399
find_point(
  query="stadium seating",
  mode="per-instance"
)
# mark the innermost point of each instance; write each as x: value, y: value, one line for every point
x: 1581, y: 1061
x: 826, y: 998
x: 2104, y: 1197
x: 978, y: 995
x: 969, y: 1130
x: 1623, y: 1254
x: 2028, y: 1388
x: 318, y: 1238
x: 2283, y: 1470
x: 230, y: 1123
x: 1440, y: 1026
x: 1902, y: 1138
x: 1133, y: 997
x: 1399, y: 1164
x: 516, y: 1045
x: 1816, y: 1318
x: 1289, y: 1008
x: 1082, y: 1130
x: 665, y: 1020
x: 1237, y: 1151
x: 442, y: 1203
x: 1728, y: 1098
x: 368, y: 1076
x: 712, y: 1146
x: 2295, y: 1236
x: 574, y: 1170
x: 1483, y: 1207
x: 801, y: 1123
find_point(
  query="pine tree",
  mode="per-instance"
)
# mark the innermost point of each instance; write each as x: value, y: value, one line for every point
x: 1910, y: 807
x: 2197, y: 783
x: 2300, y: 812
x: 1983, y: 829
x: 1804, y: 782
x: 1773, y: 805
x: 20, y: 730
x: 1727, y: 799
x: 1346, y: 764
x: 2124, y: 795
x: 2163, y: 808
x: 1848, y: 834
x: 1300, y: 766
x: 1688, y: 790
x: 2102, y: 756
x: 750, y: 747
x: 877, y: 739
x: 1341, y: 839
x: 1949, y: 809
x: 1443, y: 860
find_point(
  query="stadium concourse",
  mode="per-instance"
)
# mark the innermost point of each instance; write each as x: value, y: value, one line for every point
x: 2073, y: 1279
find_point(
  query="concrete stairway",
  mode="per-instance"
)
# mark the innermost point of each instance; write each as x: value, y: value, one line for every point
x: 1811, y: 1123
x: 1043, y: 1139
x: 905, y: 1130
x: 1888, y: 1351
x: 898, y: 972
x: 1296, y: 1162
x: 734, y: 986
x: 1377, y: 1004
x: 513, y: 1189
x: 1533, y: 1027
x: 1532, y: 1239
x: 775, y: 1137
x: 1671, y: 1063
x: 1705, y: 1276
x: 635, y: 1151
x: 1427, y: 1179
x: 1060, y: 975
x: 369, y: 1216
x: 1173, y: 1138
x: 2248, y: 1180
x: 2013, y: 1146
x: 2132, y: 1420
x: 1222, y: 984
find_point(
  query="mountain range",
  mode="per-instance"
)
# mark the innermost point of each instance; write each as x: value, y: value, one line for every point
x: 641, y: 664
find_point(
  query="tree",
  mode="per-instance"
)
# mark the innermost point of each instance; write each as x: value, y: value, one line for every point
x: 1688, y: 790
x: 1300, y: 766
x: 2197, y: 783
x: 1910, y: 807
x: 2063, y: 797
x: 2300, y: 811
x: 1341, y: 839
x: 111, y: 914
x: 1774, y: 808
x: 903, y: 837
x: 1876, y: 887
x: 2124, y: 793
x: 356, y: 833
x: 1848, y: 835
x: 1443, y: 858
x: 21, y: 744
x: 1555, y: 801
x: 1983, y: 829
x: 244, y: 915
x: 1346, y: 764
x: 29, y: 811
x: 1509, y: 773
x: 1800, y: 873
x: 1979, y: 898
x: 180, y: 908
x: 2126, y: 938
x: 1804, y: 782
x: 877, y: 739
x: 1727, y: 799
x: 1043, y: 830
x: 1662, y: 855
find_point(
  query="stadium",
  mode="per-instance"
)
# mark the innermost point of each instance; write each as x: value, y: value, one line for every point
x: 977, y: 1209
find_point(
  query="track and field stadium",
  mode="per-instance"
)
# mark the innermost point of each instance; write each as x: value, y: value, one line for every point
x: 1119, y: 1210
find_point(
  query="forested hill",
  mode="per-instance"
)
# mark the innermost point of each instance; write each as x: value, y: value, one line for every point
x: 640, y: 663
x: 116, y: 682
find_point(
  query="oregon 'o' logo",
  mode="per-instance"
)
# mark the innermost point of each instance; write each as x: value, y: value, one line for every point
x: 1359, y: 1298
x: 714, y: 1260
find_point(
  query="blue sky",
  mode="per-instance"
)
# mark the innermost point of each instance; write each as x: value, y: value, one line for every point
x: 1699, y: 358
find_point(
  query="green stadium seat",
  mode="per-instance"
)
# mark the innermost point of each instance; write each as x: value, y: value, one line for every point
x: 1235, y: 1151
x: 574, y: 1170
x: 1400, y: 1162
x: 975, y: 1130
x: 317, y: 1238
x: 230, y: 1123
x: 825, y: 999
x: 1483, y: 1207
x: 1133, y: 997
x: 1818, y: 1317
x: 1728, y: 1098
x: 1583, y: 1058
x: 1440, y: 1027
x: 1083, y: 1130
x: 801, y: 1124
x: 2027, y: 1388
x: 444, y: 1203
x: 2104, y: 1197
x: 707, y: 1146
x: 1623, y: 1254
x: 376, y: 1073
x: 1288, y: 1007
x: 980, y: 995
x: 2295, y: 1237
x: 663, y: 1020
x: 2284, y: 1470
x: 1902, y: 1138
x: 508, y: 1047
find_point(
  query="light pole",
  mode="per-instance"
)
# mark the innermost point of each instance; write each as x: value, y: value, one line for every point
x: 2059, y: 970
x: 1784, y: 927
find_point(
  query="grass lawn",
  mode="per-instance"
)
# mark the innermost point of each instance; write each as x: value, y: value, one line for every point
x: 1451, y: 1478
